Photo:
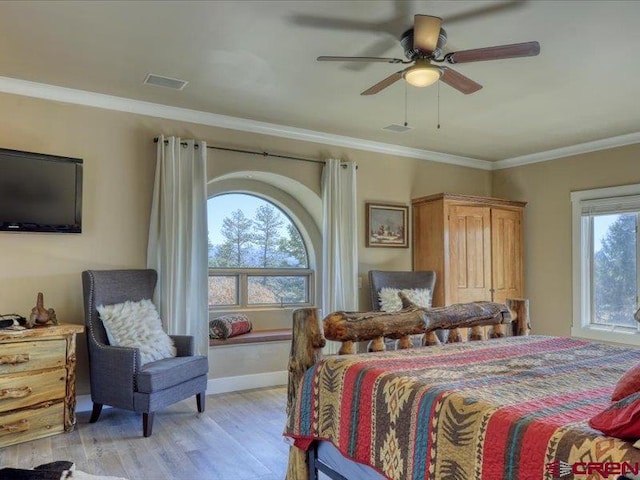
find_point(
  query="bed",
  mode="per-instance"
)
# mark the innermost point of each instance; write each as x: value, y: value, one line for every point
x: 507, y: 408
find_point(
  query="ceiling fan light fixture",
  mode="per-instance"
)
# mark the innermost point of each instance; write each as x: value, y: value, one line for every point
x: 422, y: 75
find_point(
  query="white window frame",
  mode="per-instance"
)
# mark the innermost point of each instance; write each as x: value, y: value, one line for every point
x: 600, y: 200
x: 242, y: 279
x: 301, y: 221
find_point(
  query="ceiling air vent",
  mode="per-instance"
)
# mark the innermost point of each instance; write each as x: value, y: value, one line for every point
x: 160, y: 81
x: 394, y: 127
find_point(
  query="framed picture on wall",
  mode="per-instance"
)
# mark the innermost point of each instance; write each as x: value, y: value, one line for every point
x: 387, y: 225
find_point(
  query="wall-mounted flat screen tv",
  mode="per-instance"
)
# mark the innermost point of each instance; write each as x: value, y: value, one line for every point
x: 40, y: 193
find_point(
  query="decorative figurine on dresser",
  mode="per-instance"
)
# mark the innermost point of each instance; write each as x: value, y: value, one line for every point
x: 37, y: 377
x: 40, y: 315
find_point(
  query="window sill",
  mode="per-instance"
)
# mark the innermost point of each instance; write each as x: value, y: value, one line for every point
x: 256, y: 336
x: 607, y: 334
x: 257, y: 308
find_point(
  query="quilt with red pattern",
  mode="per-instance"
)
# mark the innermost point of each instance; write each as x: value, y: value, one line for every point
x: 511, y: 408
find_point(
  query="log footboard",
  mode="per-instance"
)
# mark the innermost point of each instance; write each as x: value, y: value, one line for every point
x: 306, y: 349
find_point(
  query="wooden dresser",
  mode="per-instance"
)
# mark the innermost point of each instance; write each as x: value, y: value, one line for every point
x: 37, y: 382
x: 474, y: 244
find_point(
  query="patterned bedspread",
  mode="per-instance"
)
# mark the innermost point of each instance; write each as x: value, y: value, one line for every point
x: 512, y: 408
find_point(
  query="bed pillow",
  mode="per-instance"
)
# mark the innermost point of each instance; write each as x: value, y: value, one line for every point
x: 629, y: 383
x: 390, y: 301
x: 137, y: 325
x: 621, y: 419
x: 230, y: 325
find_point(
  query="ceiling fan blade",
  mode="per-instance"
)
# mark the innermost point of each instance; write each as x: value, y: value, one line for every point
x: 336, y: 23
x: 379, y: 48
x: 458, y: 81
x: 391, y: 79
x: 484, y: 11
x: 399, y: 22
x: 426, y: 30
x: 358, y: 59
x: 526, y: 49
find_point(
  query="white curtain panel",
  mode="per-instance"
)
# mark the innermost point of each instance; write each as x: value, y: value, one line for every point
x: 178, y: 238
x: 339, y: 240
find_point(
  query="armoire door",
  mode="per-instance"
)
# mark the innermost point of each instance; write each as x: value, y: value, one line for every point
x: 469, y: 254
x: 506, y: 254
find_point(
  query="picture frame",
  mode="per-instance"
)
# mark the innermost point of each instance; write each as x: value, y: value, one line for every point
x: 387, y: 225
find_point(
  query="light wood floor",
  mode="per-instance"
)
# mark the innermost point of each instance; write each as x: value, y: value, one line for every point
x: 239, y: 437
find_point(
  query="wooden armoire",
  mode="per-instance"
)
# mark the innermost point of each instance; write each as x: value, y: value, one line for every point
x: 473, y: 243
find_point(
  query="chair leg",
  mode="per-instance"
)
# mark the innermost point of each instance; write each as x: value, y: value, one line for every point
x: 95, y: 414
x: 147, y: 424
x: 200, y: 401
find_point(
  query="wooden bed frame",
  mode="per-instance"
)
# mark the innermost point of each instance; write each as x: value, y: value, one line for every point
x: 350, y: 327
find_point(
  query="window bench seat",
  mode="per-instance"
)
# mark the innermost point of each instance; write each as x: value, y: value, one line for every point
x: 256, y: 336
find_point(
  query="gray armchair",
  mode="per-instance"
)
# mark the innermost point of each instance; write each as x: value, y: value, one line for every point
x: 117, y: 379
x: 379, y: 279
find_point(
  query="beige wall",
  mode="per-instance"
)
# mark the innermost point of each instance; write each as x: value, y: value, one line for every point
x: 119, y: 159
x: 385, y: 179
x: 547, y: 226
x: 119, y: 162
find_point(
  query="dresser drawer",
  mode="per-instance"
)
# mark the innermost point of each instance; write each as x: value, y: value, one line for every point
x: 19, y: 390
x: 31, y: 423
x: 25, y: 356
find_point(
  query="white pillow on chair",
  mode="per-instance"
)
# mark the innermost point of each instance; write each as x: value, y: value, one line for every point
x: 137, y: 325
x: 390, y: 301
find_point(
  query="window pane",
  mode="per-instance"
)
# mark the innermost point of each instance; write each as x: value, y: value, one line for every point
x: 614, y: 269
x: 246, y: 231
x: 277, y: 289
x: 223, y: 290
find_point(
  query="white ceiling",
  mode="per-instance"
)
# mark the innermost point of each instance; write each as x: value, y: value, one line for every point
x: 257, y: 60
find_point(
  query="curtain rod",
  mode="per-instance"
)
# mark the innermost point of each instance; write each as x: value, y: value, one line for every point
x: 263, y: 154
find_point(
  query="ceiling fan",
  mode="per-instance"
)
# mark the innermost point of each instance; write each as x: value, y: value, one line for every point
x: 423, y: 46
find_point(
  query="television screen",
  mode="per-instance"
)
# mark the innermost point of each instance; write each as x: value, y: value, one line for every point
x: 40, y: 193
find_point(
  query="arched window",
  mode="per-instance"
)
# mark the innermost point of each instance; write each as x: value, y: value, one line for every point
x: 257, y: 256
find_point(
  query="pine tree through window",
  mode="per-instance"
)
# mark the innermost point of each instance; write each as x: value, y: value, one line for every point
x: 614, y: 269
x: 257, y: 256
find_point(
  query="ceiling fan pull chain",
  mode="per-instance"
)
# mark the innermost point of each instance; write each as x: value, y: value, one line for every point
x: 405, y: 104
x: 438, y: 105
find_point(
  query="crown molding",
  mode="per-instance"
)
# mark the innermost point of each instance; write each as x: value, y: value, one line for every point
x: 121, y: 104
x: 109, y: 102
x: 587, y: 147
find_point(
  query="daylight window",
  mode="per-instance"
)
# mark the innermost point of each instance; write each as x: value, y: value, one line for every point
x: 257, y: 256
x: 605, y: 264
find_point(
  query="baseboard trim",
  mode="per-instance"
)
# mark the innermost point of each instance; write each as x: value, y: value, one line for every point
x: 246, y: 382
x: 215, y: 385
x: 84, y: 403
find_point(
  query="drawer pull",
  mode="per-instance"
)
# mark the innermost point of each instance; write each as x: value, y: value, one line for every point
x: 15, y: 392
x: 14, y: 359
x: 21, y: 426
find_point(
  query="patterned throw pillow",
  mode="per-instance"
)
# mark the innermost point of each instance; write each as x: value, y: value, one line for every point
x: 621, y: 419
x: 137, y: 325
x: 629, y: 383
x: 229, y: 326
x: 390, y: 300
